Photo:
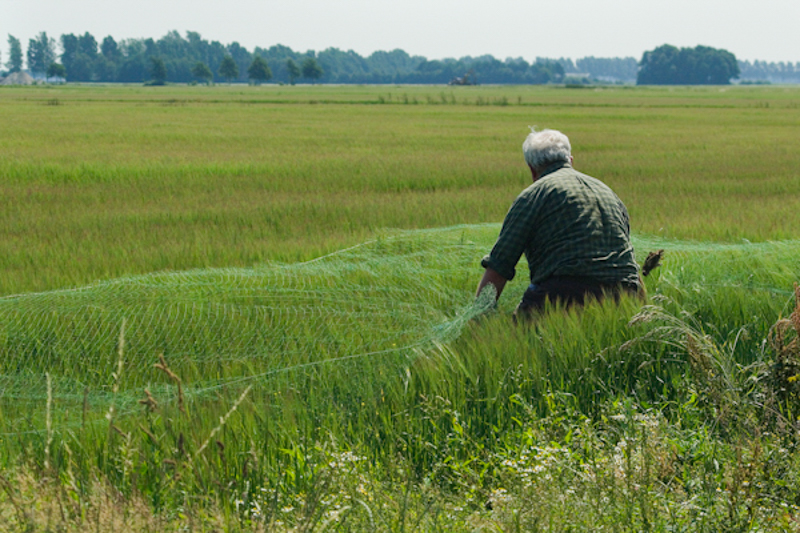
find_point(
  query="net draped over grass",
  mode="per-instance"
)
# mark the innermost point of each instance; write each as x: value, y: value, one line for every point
x: 370, y: 308
x: 235, y: 326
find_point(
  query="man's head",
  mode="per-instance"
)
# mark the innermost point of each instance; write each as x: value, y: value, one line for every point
x: 544, y: 148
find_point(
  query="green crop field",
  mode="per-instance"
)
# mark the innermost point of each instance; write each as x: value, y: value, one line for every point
x: 251, y: 308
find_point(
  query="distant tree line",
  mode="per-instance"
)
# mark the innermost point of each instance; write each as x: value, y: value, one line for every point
x: 607, y: 69
x: 190, y: 58
x: 769, y: 72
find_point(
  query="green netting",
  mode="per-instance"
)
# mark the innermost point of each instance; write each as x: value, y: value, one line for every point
x: 386, y: 300
x: 219, y: 327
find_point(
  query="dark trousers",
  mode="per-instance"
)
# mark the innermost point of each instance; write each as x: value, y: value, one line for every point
x: 569, y: 291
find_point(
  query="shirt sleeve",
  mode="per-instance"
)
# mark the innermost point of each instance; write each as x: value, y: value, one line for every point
x: 510, y: 245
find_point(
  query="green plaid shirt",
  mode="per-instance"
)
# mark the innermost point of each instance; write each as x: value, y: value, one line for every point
x: 566, y: 224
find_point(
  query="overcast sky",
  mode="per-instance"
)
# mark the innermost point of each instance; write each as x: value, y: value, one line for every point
x: 751, y: 29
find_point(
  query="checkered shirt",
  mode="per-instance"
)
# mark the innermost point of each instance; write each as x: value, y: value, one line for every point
x: 566, y: 224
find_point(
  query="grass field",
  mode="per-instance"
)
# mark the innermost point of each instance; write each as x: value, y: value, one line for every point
x: 250, y: 308
x: 103, y: 182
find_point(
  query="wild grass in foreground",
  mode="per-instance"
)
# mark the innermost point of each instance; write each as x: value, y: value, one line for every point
x: 680, y: 415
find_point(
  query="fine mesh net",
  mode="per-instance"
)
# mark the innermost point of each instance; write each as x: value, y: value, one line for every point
x: 388, y: 299
x: 217, y: 327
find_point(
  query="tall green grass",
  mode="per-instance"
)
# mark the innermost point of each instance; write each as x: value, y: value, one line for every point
x: 363, y: 355
x: 365, y: 389
x: 126, y: 180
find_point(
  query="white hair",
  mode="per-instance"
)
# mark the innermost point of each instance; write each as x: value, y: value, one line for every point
x: 543, y: 148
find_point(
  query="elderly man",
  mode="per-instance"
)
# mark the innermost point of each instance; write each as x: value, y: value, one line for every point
x: 572, y: 228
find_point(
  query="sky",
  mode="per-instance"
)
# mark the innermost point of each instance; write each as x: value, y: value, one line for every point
x: 436, y: 29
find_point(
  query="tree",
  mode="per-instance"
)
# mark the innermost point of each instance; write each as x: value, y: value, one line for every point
x: 75, y: 58
x: 712, y: 66
x: 311, y: 69
x: 158, y: 70
x: 56, y: 70
x: 228, y: 69
x: 293, y: 70
x: 104, y: 69
x: 41, y: 52
x: 87, y: 44
x: 69, y: 47
x: 109, y: 48
x: 546, y: 71
x: 240, y: 55
x: 702, y: 65
x: 14, y: 54
x: 201, y: 71
x: 259, y: 71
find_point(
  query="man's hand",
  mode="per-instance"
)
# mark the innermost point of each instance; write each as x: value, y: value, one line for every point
x: 491, y: 277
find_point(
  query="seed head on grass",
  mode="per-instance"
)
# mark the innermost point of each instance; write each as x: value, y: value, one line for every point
x: 174, y: 377
x: 149, y: 402
x: 147, y: 432
x: 49, y: 422
x: 117, y: 376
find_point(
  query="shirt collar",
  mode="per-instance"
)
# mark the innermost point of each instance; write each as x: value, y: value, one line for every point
x: 553, y: 167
